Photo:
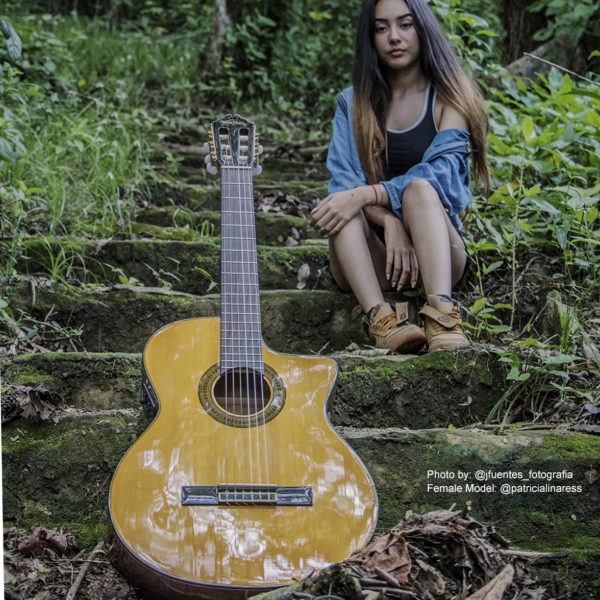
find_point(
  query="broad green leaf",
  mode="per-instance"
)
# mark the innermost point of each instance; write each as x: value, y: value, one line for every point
x: 478, y: 305
x: 527, y: 127
x: 515, y: 375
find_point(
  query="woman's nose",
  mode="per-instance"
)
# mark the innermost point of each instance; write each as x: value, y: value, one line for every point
x: 394, y: 34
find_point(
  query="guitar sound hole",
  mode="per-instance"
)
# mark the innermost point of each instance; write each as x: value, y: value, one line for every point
x: 242, y: 392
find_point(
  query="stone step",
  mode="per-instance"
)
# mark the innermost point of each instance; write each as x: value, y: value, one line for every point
x: 275, y: 170
x: 175, y: 223
x: 443, y: 389
x: 121, y: 318
x: 194, y: 190
x: 58, y: 475
x: 192, y: 267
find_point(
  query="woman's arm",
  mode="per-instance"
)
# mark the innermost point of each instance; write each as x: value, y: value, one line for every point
x: 401, y: 259
x: 451, y: 119
x: 332, y: 213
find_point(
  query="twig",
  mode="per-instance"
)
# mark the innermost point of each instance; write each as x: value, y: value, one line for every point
x: 396, y: 592
x: 535, y: 555
x: 561, y: 68
x: 84, y: 567
x: 524, y: 270
x: 370, y: 582
x: 389, y: 579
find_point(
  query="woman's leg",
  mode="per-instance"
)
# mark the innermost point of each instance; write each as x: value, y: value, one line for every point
x: 357, y: 259
x: 440, y: 250
x: 442, y: 260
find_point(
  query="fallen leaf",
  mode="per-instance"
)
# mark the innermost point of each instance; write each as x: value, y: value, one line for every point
x: 494, y: 590
x: 303, y: 274
x: 592, y: 475
x: 389, y: 553
x: 41, y: 538
x: 432, y: 578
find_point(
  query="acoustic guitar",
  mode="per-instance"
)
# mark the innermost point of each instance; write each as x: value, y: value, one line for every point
x: 239, y: 484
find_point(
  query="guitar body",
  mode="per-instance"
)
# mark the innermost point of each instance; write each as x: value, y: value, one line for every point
x: 247, y: 542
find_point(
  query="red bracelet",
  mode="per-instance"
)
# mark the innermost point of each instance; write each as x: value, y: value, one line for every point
x: 376, y: 195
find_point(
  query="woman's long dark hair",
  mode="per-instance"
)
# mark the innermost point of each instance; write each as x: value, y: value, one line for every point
x: 441, y: 68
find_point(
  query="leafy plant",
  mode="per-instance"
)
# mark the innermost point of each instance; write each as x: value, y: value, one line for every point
x: 568, y: 18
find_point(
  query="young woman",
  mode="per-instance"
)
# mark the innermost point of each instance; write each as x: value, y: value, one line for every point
x: 400, y: 177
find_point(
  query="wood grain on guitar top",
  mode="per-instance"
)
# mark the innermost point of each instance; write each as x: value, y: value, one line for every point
x: 227, y: 545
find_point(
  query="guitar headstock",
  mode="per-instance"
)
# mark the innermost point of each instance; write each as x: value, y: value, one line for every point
x: 233, y: 142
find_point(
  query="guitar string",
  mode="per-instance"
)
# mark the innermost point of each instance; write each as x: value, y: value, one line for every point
x: 255, y: 312
x: 253, y: 365
x: 260, y: 417
x: 243, y: 241
x: 225, y: 319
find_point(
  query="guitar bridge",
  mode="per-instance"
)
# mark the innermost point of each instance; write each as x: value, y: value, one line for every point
x: 246, y: 495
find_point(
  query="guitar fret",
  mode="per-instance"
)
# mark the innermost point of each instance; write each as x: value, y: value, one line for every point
x: 232, y: 347
x: 241, y: 336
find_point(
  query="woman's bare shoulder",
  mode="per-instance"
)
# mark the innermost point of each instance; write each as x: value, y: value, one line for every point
x: 447, y: 117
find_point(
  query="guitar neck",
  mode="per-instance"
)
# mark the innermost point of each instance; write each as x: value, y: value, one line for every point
x: 241, y: 338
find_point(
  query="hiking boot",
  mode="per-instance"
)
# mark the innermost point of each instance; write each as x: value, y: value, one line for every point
x: 443, y: 329
x: 390, y: 328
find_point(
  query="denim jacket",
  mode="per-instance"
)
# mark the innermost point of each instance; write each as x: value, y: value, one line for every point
x: 444, y: 165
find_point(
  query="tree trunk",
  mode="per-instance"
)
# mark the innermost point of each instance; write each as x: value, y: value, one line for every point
x: 221, y: 23
x: 520, y: 26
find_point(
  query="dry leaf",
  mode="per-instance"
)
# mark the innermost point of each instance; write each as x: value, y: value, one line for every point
x: 592, y: 475
x: 494, y: 590
x: 42, y: 538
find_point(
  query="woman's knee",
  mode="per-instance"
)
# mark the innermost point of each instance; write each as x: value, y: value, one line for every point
x: 417, y: 192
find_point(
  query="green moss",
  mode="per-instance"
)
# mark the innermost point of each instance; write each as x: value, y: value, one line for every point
x: 569, y: 446
x: 539, y: 518
x: 555, y: 532
x: 85, y: 380
x: 89, y: 534
x: 35, y: 513
x: 60, y: 473
x: 28, y: 375
x: 448, y: 389
x: 399, y: 463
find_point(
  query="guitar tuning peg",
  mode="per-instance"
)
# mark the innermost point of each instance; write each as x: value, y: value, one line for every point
x: 208, y: 159
x: 212, y: 169
x: 257, y: 170
x: 206, y: 148
x: 260, y: 149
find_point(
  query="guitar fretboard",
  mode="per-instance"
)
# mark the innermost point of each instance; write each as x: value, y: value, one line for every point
x: 241, y: 338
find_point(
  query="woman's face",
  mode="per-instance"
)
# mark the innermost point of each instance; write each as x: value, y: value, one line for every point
x: 396, y: 39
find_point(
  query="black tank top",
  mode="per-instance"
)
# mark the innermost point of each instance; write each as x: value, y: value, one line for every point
x: 406, y: 148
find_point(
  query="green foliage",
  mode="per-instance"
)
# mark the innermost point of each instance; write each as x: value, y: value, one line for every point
x: 296, y: 56
x: 13, y: 42
x: 568, y: 18
x: 288, y: 55
x: 538, y: 374
x: 545, y: 155
x: 472, y: 37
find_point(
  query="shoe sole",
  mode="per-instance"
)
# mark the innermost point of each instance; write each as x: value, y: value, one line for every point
x: 411, y: 344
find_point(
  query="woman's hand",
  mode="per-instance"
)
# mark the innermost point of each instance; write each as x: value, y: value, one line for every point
x: 335, y: 211
x: 401, y: 260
